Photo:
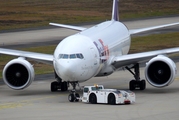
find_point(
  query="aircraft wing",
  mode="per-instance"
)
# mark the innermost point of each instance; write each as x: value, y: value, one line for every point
x: 129, y: 59
x: 45, y: 58
x: 136, y: 31
x: 68, y: 26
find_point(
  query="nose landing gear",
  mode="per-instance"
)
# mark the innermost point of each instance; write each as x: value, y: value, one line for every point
x: 73, y: 96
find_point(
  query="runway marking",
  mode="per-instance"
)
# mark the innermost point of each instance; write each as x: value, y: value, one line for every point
x: 23, y: 102
x: 177, y: 78
x: 13, y: 105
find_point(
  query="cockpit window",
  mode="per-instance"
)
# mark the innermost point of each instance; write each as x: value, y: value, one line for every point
x: 71, y: 56
x: 79, y: 56
x: 61, y: 56
x: 65, y: 56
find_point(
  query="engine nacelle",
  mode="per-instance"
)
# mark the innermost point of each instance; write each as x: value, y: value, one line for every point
x: 160, y: 71
x: 18, y: 73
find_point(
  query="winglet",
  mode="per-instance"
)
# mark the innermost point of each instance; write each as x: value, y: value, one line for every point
x: 115, y: 11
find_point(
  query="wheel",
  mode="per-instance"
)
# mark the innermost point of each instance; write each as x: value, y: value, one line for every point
x: 54, y: 86
x: 71, y: 97
x: 111, y: 99
x: 142, y: 85
x: 76, y: 97
x: 93, y: 99
x: 64, y: 86
x: 132, y: 85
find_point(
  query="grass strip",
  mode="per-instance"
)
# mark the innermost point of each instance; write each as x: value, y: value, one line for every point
x: 35, y: 13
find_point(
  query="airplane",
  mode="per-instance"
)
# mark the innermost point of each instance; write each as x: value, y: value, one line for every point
x: 94, y: 52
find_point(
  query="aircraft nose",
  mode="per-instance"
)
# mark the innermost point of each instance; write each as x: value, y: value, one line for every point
x: 68, y: 70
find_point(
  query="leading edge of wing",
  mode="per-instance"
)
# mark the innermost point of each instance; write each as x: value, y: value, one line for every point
x: 68, y: 26
x: 135, y: 31
x: 45, y: 58
x: 129, y: 59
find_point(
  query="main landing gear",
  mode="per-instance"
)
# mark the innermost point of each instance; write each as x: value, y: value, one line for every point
x: 137, y: 83
x: 56, y: 85
x: 73, y: 96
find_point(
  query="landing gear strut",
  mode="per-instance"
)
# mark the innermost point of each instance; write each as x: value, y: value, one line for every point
x: 137, y: 83
x: 73, y: 96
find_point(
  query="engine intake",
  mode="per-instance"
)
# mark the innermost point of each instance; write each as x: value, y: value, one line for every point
x: 18, y: 74
x: 160, y: 71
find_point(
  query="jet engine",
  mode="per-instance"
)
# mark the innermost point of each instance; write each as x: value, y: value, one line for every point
x: 18, y: 73
x: 160, y: 71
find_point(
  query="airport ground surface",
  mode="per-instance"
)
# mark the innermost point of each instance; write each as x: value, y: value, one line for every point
x: 38, y: 103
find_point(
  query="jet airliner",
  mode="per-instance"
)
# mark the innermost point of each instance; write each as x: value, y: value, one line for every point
x: 93, y: 52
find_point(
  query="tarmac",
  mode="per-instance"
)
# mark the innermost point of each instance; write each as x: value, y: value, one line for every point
x: 37, y: 102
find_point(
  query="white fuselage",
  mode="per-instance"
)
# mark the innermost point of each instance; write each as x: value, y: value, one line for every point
x: 89, y: 53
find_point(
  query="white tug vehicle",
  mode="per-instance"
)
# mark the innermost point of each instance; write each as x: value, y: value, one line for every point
x: 97, y: 94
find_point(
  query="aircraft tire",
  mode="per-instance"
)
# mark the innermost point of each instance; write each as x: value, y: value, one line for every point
x: 76, y: 97
x: 54, y: 86
x: 64, y: 86
x: 132, y: 85
x: 71, y: 97
x: 142, y: 85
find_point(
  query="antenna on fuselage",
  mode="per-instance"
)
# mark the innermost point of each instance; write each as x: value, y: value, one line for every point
x: 115, y: 10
